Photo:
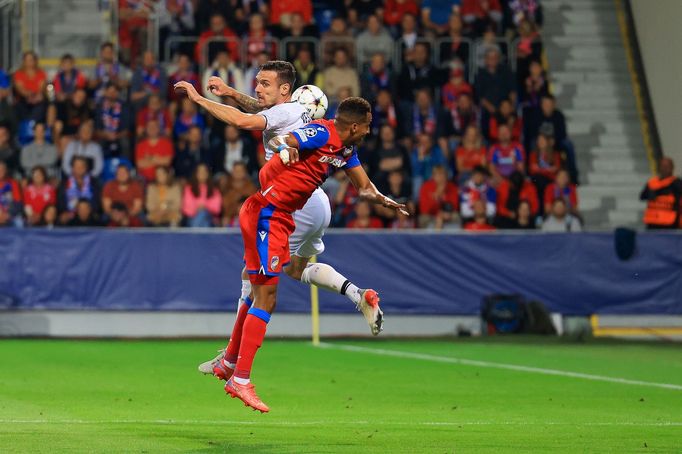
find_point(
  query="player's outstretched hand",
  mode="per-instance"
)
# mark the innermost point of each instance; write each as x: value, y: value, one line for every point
x: 399, y: 207
x: 186, y: 87
x: 288, y: 155
x: 218, y: 87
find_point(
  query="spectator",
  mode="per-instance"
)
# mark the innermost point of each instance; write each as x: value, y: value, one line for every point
x: 524, y: 220
x: 425, y: 157
x: 494, y: 83
x: 455, y: 86
x: 384, y: 112
x: 489, y: 42
x: 559, y: 220
x: 528, y: 49
x: 148, y: 79
x: 133, y: 22
x: 505, y: 114
x: 79, y: 185
x: 396, y: 10
x: 390, y: 155
x: 236, y: 149
x: 154, y: 111
x: 408, y: 36
x: 83, y: 216
x: 479, y: 14
x: 398, y: 189
x: 206, y: 9
x: 426, y: 118
x: 435, y: 14
x: 184, y: 72
x: 71, y: 115
x: 376, y: 77
x: 86, y: 148
x: 454, y: 46
x: 68, y: 79
x: 258, y: 39
x: 341, y: 74
x: 176, y: 20
x: 299, y: 34
x: 505, y: 156
x: 227, y: 70
x: 120, y: 217
x: 510, y: 193
x: 534, y: 88
x: 123, y: 190
x: 201, y: 201
x: 307, y: 72
x: 464, y: 114
x: 7, y: 114
x: 477, y: 188
x: 49, y: 218
x: 338, y: 36
x: 107, y: 70
x: 282, y: 12
x: 239, y: 188
x: 545, y: 162
x: 38, y: 195
x: 190, y: 154
x: 662, y: 194
x: 362, y: 9
x: 526, y: 9
x: 374, y: 40
x: 343, y: 201
x: 153, y: 151
x: 10, y: 199
x: 438, y: 201
x: 479, y: 222
x: 207, y: 51
x: 562, y: 188
x: 29, y: 83
x: 39, y: 153
x: 164, y: 199
x: 8, y: 152
x: 471, y: 153
x: 112, y: 121
x: 188, y: 117
x: 417, y: 74
x: 363, y: 217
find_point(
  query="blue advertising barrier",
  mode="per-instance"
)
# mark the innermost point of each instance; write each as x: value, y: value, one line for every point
x: 415, y: 273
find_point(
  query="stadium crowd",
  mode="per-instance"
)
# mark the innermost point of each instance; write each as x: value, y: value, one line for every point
x: 466, y: 131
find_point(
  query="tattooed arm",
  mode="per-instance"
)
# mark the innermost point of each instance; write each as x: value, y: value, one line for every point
x: 219, y: 88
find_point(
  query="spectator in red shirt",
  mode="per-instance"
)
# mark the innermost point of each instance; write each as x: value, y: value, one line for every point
x: 471, y: 153
x: 133, y: 16
x: 545, y: 161
x: 464, y: 114
x: 119, y: 217
x: 152, y: 152
x: 10, y: 198
x: 562, y: 188
x: 29, y: 83
x: 123, y: 190
x: 68, y: 79
x: 364, y: 218
x: 38, y: 195
x: 184, y: 72
x: 480, y: 221
x: 282, y: 10
x: 394, y: 10
x: 258, y: 39
x: 201, y: 200
x: 510, y: 193
x: 505, y: 114
x: 218, y: 29
x: 506, y: 156
x: 455, y: 86
x: 438, y: 201
x: 479, y: 14
x: 535, y: 87
x: 154, y: 111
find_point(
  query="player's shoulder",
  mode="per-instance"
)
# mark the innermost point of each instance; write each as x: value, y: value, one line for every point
x: 286, y: 108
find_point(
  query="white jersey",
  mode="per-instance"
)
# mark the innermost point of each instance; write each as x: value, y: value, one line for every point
x: 282, y: 119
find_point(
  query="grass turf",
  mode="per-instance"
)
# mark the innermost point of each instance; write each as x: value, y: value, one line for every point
x: 146, y: 396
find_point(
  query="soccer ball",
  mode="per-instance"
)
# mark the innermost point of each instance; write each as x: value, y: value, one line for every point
x: 313, y: 99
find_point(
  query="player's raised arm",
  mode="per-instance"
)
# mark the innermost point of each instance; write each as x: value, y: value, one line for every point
x: 309, y: 137
x: 368, y: 191
x: 218, y: 87
x: 228, y: 114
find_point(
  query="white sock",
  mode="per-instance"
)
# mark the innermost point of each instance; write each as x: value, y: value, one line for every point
x: 242, y: 381
x: 326, y: 277
x: 246, y: 288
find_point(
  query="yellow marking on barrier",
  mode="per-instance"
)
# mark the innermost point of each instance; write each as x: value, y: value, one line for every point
x: 637, y: 331
x: 78, y: 61
x: 315, y: 309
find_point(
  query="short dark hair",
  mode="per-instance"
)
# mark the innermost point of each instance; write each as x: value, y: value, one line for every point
x: 286, y: 73
x: 353, y: 110
x: 106, y: 44
x: 67, y: 57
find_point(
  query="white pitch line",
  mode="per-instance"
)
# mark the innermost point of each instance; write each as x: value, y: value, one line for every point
x: 489, y: 364
x: 187, y: 422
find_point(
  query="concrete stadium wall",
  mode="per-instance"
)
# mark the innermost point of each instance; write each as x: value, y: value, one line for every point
x: 660, y: 37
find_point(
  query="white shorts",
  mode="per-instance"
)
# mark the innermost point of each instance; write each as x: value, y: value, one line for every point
x: 311, y: 221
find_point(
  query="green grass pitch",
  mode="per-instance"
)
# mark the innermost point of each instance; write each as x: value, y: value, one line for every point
x: 147, y: 396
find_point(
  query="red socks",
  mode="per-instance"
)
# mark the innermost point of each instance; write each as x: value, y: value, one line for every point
x: 252, y: 337
x: 232, y: 350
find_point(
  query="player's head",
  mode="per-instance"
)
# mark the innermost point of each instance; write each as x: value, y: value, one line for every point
x: 353, y: 117
x: 275, y: 83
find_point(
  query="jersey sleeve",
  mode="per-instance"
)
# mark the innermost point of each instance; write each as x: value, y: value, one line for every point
x: 311, y: 136
x: 353, y: 161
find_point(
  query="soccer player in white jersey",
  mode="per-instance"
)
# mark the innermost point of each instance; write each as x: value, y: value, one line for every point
x: 275, y: 114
